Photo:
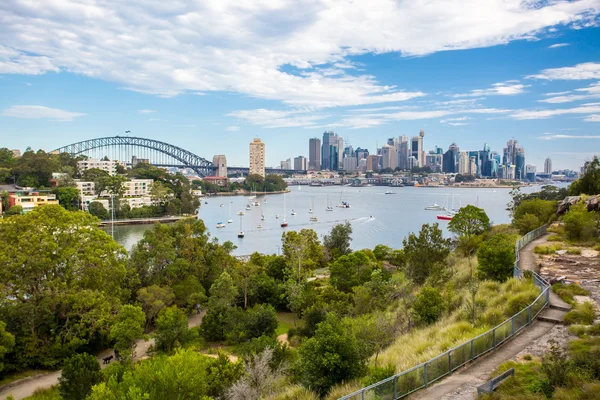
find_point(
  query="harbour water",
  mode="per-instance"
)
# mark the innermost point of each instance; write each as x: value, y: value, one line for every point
x: 376, y: 217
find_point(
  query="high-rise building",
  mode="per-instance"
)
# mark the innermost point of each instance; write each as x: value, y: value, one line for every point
x: 548, y: 166
x: 361, y: 153
x: 514, y: 160
x: 530, y: 172
x: 314, y: 154
x: 403, y: 153
x: 220, y: 161
x: 349, y: 164
x: 416, y: 148
x: 286, y: 164
x: 300, y: 163
x: 257, y: 157
x: 450, y: 160
x: 373, y: 162
x: 331, y: 153
x: 105, y: 165
x: 433, y: 160
x: 463, y: 163
x: 389, y: 157
x: 473, y: 165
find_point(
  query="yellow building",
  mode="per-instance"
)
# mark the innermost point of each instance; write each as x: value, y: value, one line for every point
x: 257, y: 157
x: 31, y: 200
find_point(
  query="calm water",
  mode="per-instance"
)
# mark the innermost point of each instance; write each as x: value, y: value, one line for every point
x: 376, y: 217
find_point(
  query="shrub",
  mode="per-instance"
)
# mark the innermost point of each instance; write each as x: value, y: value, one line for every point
x: 584, y: 314
x: 556, y: 365
x: 580, y: 225
x: 547, y: 249
x: 171, y: 329
x: 554, y: 237
x: 428, y: 305
x: 496, y: 257
x: 79, y: 374
x: 574, y: 251
x: 568, y: 291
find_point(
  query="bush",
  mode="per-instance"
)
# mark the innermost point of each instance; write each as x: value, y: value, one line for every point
x: 583, y: 314
x: 567, y: 292
x: 585, y: 354
x: 547, y: 249
x: 574, y: 251
x: 171, y: 329
x: 428, y: 305
x: 79, y: 374
x: 496, y: 257
x: 531, y: 214
x: 554, y: 238
x: 580, y: 225
x: 556, y: 365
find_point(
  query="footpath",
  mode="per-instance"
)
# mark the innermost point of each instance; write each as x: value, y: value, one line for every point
x: 26, y: 387
x: 462, y: 385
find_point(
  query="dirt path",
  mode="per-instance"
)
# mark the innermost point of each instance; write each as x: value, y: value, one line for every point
x: 29, y: 386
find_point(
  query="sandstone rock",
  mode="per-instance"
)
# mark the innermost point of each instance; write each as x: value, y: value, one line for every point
x: 593, y: 203
x: 564, y: 205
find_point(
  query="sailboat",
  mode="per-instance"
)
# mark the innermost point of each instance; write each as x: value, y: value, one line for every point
x: 262, y: 217
x: 284, y: 222
x: 343, y: 204
x: 293, y: 212
x: 241, y: 232
x: 313, y: 218
x: 230, y: 221
x: 329, y: 208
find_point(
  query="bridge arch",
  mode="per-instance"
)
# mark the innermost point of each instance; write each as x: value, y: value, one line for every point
x: 187, y: 159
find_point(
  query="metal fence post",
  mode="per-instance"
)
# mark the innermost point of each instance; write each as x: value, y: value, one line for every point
x: 528, y: 315
x: 425, y: 374
x: 362, y: 395
x: 512, y: 321
x: 472, y: 349
x: 494, y: 336
x: 449, y: 362
x: 395, y: 387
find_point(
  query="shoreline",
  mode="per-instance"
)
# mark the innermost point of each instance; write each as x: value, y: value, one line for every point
x: 145, y: 221
x: 226, y: 194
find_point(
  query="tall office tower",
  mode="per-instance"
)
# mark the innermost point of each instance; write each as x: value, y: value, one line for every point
x: 450, y: 159
x: 349, y: 164
x: 514, y: 159
x: 340, y: 147
x: 361, y: 153
x: 349, y: 151
x: 220, y: 161
x: 332, y: 151
x: 416, y: 148
x: 373, y: 162
x: 433, y: 160
x: 257, y: 157
x: 300, y: 163
x: 403, y: 152
x: 520, y: 164
x: 314, y: 154
x: 484, y: 161
x: 463, y: 163
x: 530, y: 172
x: 286, y: 164
x: 389, y: 157
x: 548, y: 166
x: 473, y: 169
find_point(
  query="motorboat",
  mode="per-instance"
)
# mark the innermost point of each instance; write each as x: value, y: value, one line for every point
x: 220, y: 225
x: 230, y: 221
x: 241, y: 231
x: 389, y: 192
x: 248, y: 206
x: 284, y: 224
x: 259, y: 226
x: 293, y: 212
x: 206, y: 202
x: 313, y: 218
x: 241, y: 213
x: 276, y: 216
x: 434, y: 207
x: 256, y: 203
x: 222, y: 205
x: 262, y: 217
x: 344, y: 204
x: 310, y: 211
x: 329, y: 208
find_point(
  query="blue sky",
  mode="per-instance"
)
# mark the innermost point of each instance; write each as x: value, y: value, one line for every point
x: 211, y: 75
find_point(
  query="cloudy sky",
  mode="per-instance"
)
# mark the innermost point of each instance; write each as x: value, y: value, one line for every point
x: 209, y: 75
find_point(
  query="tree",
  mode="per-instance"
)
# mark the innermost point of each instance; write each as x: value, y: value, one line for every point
x: 531, y: 214
x: 97, y: 210
x: 303, y: 252
x: 14, y: 210
x: 80, y: 373
x: 114, y: 185
x: 581, y: 225
x: 496, y: 257
x: 589, y: 182
x: 337, y: 243
x: 351, y: 270
x: 68, y: 197
x: 469, y: 220
x: 243, y: 273
x: 467, y: 246
x: 331, y: 356
x: 223, y: 292
x: 382, y: 252
x: 171, y: 329
x: 7, y: 342
x: 260, y: 380
x: 160, y: 193
x: 374, y: 332
x: 154, y: 298
x: 428, y: 305
x: 128, y: 328
x: 425, y: 252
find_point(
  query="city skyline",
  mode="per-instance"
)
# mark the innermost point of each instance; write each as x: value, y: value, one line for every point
x: 163, y: 74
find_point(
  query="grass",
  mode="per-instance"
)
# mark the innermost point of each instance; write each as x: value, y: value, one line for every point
x: 520, y: 386
x: 582, y: 314
x: 574, y: 251
x: 20, y: 375
x: 568, y: 292
x: 547, y: 248
x: 286, y: 321
x: 555, y: 238
x: 45, y: 394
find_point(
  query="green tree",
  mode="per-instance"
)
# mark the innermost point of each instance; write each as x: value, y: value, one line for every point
x: 429, y: 305
x: 223, y: 292
x: 254, y: 182
x: 160, y: 193
x: 374, y: 332
x: 425, y: 253
x: 14, y: 210
x: 7, y: 342
x: 97, y: 210
x: 496, y: 257
x: 303, y: 252
x: 114, y: 185
x: 351, y: 270
x: 171, y: 329
x: 68, y: 197
x: 154, y: 298
x: 581, y: 225
x: 80, y: 373
x: 128, y: 328
x: 337, y: 243
x: 331, y: 356
x: 469, y: 220
x: 589, y: 182
x: 531, y: 214
x: 274, y: 183
x: 382, y: 252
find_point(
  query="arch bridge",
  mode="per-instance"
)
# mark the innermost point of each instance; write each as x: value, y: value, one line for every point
x: 124, y: 148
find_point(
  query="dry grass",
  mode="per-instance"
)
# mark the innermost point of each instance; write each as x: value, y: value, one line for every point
x: 547, y: 248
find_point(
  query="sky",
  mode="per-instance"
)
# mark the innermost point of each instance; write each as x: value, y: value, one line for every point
x: 211, y: 75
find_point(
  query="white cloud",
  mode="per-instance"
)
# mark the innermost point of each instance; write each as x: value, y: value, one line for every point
x: 541, y: 114
x: 459, y: 121
x: 547, y: 136
x: 590, y: 92
x: 232, y: 128
x: 40, y: 112
x: 593, y: 118
x: 588, y: 70
x: 279, y: 119
x: 167, y: 49
x: 497, y: 89
x: 146, y: 111
x: 557, y: 45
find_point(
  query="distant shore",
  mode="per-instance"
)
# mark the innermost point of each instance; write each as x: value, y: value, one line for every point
x: 145, y: 221
x: 246, y: 193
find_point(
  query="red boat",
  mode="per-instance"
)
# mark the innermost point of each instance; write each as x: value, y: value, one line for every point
x: 445, y: 217
x: 284, y: 224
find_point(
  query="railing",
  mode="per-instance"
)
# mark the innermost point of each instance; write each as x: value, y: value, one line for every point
x: 420, y: 376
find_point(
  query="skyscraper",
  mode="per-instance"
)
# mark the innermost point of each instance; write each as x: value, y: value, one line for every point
x: 300, y: 163
x: 389, y: 158
x: 257, y: 157
x: 548, y: 166
x: 326, y: 150
x: 314, y: 154
x: 450, y: 159
x: 416, y: 148
x: 514, y: 160
x: 332, y: 151
x: 403, y: 152
x: 463, y: 163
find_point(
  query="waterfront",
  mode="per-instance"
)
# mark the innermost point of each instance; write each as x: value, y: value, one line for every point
x: 376, y: 217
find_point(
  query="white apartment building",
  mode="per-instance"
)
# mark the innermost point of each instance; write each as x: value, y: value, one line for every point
x: 86, y: 187
x: 108, y: 166
x: 138, y: 187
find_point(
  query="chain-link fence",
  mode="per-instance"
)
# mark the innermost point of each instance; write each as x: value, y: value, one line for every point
x: 420, y: 376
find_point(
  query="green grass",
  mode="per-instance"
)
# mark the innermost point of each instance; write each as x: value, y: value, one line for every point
x: 555, y: 238
x: 20, y: 375
x: 582, y: 314
x: 520, y: 386
x: 574, y: 251
x: 568, y: 292
x: 45, y: 394
x: 547, y: 249
x: 286, y: 321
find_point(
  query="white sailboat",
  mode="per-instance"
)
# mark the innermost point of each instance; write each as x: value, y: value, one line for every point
x: 230, y: 221
x: 329, y: 208
x: 241, y: 232
x: 313, y: 218
x: 284, y: 222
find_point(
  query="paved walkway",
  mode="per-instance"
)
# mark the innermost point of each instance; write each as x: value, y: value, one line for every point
x: 29, y: 386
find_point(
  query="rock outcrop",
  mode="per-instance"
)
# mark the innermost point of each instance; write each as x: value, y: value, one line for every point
x: 564, y: 205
